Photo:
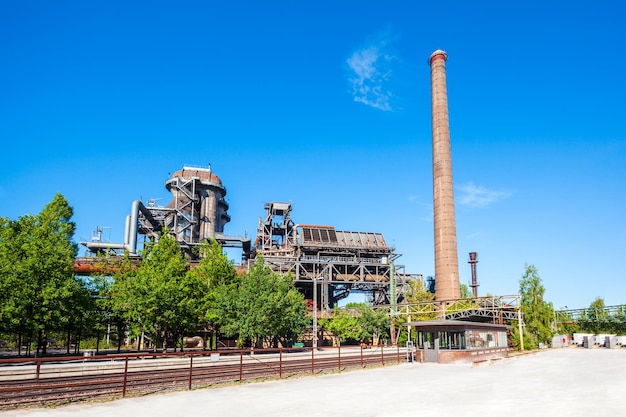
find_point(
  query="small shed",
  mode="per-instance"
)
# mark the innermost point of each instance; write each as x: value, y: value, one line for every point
x: 450, y: 341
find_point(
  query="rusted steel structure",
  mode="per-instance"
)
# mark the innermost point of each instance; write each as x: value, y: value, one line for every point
x: 447, y: 284
x: 327, y: 264
x: 197, y: 211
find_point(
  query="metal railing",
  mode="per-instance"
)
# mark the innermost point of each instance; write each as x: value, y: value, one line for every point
x: 58, y: 380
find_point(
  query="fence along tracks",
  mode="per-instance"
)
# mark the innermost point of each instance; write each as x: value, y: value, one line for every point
x: 51, y: 381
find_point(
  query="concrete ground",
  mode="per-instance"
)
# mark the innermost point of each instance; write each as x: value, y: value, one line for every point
x: 561, y: 382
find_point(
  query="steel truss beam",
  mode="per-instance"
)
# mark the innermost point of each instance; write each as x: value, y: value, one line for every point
x: 589, y: 314
x: 338, y: 276
x: 497, y: 309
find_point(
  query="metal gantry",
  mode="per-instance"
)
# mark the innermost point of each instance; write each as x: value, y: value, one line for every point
x: 590, y: 314
x: 332, y: 261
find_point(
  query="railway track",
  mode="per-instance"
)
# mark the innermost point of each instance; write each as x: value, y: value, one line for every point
x: 54, y: 381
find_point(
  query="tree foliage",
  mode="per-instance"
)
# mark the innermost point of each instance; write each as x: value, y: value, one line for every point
x: 374, y: 323
x: 358, y: 322
x: 416, y: 291
x: 344, y: 325
x: 160, y: 297
x: 464, y: 291
x: 538, y: 313
x: 261, y: 307
x: 218, y: 277
x: 40, y: 293
x: 597, y: 319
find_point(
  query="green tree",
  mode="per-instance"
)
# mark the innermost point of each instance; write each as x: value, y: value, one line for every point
x: 14, y: 301
x: 538, y: 314
x: 596, y: 319
x: 374, y: 323
x: 618, y: 321
x: 105, y: 317
x: 597, y: 305
x: 218, y: 277
x: 416, y: 291
x: 465, y: 291
x: 358, y: 322
x: 344, y: 325
x: 159, y: 297
x: 262, y: 307
x: 36, y: 267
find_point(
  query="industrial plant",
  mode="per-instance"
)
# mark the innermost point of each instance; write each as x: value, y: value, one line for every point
x: 328, y: 264
x: 197, y: 212
x: 336, y: 261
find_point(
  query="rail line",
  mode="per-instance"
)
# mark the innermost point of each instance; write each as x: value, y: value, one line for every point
x: 54, y: 381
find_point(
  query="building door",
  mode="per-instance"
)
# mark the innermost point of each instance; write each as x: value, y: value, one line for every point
x: 431, y: 346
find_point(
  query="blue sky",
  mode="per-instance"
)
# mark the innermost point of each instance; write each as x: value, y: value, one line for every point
x: 327, y: 105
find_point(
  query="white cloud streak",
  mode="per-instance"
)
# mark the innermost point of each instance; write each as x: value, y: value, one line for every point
x: 369, y: 73
x: 476, y: 196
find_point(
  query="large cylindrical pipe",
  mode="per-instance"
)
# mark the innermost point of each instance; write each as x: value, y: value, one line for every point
x: 447, y: 284
x: 127, y: 231
x: 133, y: 227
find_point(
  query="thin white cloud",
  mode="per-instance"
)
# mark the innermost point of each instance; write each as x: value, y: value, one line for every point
x: 370, y: 71
x: 477, y: 196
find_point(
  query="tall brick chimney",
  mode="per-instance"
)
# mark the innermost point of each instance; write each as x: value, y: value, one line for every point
x: 447, y: 284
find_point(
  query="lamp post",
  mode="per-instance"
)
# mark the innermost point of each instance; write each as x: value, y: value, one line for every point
x: 315, y: 312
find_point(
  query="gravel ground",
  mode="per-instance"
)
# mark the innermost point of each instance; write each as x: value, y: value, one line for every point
x: 561, y: 382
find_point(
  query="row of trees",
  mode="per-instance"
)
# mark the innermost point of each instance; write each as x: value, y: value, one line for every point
x: 165, y: 300
x: 159, y: 299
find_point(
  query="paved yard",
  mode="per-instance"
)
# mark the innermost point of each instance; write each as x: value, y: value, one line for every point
x: 562, y: 382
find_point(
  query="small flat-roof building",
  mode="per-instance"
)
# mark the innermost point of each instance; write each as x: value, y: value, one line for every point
x: 450, y: 341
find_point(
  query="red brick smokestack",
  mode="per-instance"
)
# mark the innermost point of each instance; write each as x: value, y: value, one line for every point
x: 446, y: 257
